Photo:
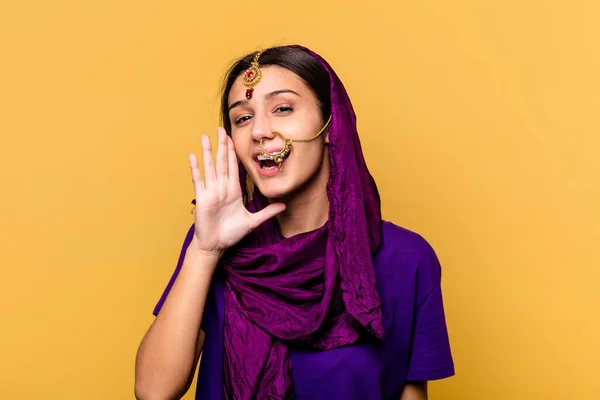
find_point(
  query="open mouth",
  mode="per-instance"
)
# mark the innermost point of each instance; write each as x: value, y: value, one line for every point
x: 267, y: 164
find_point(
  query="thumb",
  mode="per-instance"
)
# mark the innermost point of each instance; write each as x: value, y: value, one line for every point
x: 266, y: 213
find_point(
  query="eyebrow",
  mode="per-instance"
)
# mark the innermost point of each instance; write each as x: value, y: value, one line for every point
x: 268, y: 96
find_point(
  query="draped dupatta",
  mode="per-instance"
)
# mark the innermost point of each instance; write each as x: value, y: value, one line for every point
x: 316, y: 289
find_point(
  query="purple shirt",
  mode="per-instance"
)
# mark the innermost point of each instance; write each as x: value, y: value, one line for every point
x: 415, y: 348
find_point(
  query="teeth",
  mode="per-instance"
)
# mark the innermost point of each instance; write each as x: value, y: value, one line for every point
x: 260, y: 157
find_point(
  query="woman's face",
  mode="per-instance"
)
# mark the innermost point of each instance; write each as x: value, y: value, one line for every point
x: 280, y: 102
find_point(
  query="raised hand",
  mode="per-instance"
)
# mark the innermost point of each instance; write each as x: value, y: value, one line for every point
x: 221, y: 220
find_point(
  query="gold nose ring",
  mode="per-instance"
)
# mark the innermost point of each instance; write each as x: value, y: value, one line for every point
x: 277, y: 157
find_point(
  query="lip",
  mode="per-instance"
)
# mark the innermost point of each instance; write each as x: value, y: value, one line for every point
x: 268, y: 150
x: 268, y: 172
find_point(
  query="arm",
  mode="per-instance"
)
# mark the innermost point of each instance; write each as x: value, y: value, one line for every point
x: 430, y: 354
x: 414, y: 391
x: 168, y: 355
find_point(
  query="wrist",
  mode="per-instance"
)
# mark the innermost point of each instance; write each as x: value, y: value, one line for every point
x: 214, y: 255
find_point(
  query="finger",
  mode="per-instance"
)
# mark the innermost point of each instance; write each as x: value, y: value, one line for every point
x: 222, y: 154
x: 234, y: 176
x: 266, y: 213
x: 209, y: 165
x: 196, y: 174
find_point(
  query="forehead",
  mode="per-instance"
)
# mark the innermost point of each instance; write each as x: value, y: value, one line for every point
x: 273, y: 78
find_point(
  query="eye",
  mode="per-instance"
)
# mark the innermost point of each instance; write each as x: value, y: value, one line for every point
x: 242, y: 119
x: 284, y: 109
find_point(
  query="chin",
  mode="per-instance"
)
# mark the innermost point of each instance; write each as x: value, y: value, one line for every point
x: 274, y: 190
x: 284, y: 186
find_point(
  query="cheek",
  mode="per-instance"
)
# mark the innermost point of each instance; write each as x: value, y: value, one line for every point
x: 239, y: 142
x: 305, y: 163
x: 303, y: 127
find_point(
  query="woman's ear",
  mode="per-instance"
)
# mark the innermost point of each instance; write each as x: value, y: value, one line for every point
x: 327, y: 137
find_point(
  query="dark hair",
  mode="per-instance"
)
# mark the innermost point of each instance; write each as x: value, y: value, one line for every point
x: 292, y: 58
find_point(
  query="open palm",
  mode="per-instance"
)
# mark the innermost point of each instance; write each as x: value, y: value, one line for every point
x: 221, y: 219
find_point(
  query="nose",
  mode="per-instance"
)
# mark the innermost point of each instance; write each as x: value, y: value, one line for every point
x: 261, y: 128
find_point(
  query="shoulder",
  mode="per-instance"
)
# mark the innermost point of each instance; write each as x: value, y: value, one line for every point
x: 399, y: 241
x: 406, y: 256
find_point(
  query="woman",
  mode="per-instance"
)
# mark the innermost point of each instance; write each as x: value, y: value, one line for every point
x: 289, y: 283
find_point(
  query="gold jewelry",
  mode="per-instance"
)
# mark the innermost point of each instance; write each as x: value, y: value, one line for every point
x: 252, y: 75
x: 279, y: 156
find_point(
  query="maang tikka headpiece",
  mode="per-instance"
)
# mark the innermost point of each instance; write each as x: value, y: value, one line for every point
x: 251, y: 78
x: 252, y: 75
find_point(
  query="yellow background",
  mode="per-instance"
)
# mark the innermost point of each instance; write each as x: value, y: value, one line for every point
x: 479, y: 120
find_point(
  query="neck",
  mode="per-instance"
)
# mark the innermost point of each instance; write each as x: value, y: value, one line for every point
x: 308, y: 208
x: 304, y: 214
